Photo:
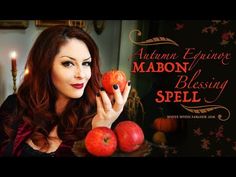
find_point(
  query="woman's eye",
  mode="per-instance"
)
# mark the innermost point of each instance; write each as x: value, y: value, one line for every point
x: 67, y: 64
x: 87, y: 63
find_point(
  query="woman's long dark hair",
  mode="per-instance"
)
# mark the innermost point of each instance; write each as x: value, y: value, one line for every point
x: 37, y: 95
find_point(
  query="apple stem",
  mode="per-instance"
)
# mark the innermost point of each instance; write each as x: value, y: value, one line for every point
x: 106, y: 140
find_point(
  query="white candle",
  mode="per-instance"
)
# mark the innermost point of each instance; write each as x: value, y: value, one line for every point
x: 13, y: 61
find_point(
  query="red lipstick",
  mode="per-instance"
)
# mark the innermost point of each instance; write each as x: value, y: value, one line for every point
x: 77, y: 86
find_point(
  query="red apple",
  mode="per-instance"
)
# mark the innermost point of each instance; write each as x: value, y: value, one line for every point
x: 101, y: 141
x: 113, y: 77
x: 130, y: 136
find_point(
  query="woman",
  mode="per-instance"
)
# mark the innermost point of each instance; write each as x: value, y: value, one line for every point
x: 60, y: 99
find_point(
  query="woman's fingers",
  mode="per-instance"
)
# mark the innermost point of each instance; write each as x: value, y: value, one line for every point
x: 126, y: 91
x: 99, y: 103
x: 106, y: 113
x: 119, y: 102
x: 106, y: 101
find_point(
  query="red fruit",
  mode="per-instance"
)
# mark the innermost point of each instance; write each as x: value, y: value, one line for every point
x: 165, y: 124
x: 112, y: 77
x: 101, y: 141
x: 130, y: 136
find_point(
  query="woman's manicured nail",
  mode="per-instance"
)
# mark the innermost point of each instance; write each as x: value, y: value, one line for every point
x: 115, y: 86
x: 129, y: 83
x: 102, y: 89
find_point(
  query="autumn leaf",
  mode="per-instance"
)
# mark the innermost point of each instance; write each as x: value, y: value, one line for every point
x: 205, y: 144
x: 197, y: 132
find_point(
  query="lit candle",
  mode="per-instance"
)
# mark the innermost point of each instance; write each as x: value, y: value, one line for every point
x: 13, y: 61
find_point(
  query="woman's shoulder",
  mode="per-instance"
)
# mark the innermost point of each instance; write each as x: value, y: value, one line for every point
x: 10, y: 104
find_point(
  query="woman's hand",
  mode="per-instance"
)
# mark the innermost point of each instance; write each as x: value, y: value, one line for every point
x: 107, y: 112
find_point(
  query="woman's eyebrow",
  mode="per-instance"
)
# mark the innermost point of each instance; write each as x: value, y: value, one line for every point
x: 86, y: 59
x: 75, y: 59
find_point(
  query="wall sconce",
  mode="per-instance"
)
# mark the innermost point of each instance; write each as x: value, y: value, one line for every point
x: 99, y: 26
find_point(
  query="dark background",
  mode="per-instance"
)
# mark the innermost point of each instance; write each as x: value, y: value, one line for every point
x: 219, y: 136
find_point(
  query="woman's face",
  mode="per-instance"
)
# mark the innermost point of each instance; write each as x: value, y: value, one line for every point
x: 71, y: 69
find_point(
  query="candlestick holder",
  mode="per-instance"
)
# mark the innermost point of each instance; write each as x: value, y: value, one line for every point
x: 14, y: 74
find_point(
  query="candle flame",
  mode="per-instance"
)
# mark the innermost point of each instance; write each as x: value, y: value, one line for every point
x: 13, y: 54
